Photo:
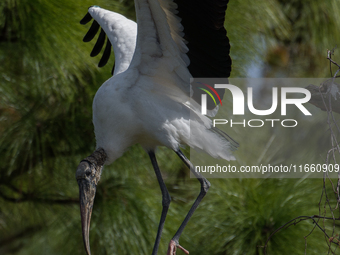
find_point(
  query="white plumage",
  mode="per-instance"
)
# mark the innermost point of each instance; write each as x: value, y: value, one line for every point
x: 147, y: 100
x: 121, y: 32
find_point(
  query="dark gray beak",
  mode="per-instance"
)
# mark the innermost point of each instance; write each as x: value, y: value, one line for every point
x: 87, y: 192
x: 88, y: 175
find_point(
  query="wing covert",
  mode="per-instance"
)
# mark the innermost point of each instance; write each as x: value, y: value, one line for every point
x: 117, y: 31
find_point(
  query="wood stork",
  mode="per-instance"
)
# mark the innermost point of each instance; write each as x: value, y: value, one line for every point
x: 147, y: 100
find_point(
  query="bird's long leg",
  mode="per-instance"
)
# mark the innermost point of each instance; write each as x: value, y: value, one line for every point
x: 205, y: 184
x: 166, y: 199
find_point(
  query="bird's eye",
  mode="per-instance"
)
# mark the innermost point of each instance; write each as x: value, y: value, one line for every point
x: 88, y: 172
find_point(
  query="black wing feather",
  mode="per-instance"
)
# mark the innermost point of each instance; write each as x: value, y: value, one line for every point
x: 106, y: 54
x: 209, y: 48
x: 99, y: 44
x: 100, y: 41
x: 87, y: 18
x: 92, y: 31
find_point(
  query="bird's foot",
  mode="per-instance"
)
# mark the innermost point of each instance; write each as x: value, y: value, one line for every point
x: 173, y: 247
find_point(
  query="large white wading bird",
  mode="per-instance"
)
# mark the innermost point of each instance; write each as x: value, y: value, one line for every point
x: 147, y: 100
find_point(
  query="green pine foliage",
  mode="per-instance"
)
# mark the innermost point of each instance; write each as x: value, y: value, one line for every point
x: 47, y: 83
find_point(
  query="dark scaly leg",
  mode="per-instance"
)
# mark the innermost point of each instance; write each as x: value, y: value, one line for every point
x: 205, y: 184
x: 166, y: 199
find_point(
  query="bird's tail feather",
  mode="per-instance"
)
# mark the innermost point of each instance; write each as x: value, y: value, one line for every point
x: 233, y: 144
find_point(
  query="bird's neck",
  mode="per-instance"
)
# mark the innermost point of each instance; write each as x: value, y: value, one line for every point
x: 97, y: 158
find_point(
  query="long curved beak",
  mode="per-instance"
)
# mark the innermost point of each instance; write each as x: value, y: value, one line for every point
x: 87, y: 192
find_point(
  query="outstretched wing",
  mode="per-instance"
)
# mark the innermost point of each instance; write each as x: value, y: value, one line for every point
x: 181, y: 39
x: 160, y: 50
x: 117, y: 31
x: 206, y: 37
x: 171, y: 34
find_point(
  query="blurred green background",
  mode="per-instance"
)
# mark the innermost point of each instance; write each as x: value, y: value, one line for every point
x: 47, y: 83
